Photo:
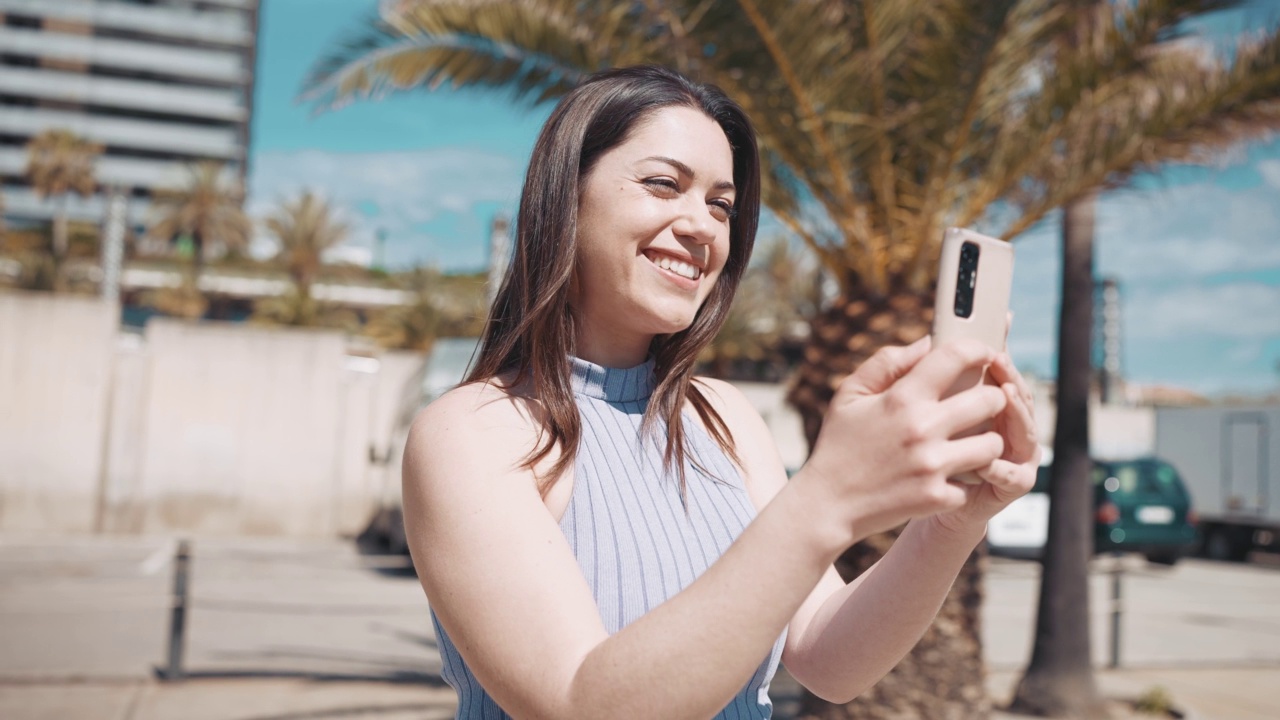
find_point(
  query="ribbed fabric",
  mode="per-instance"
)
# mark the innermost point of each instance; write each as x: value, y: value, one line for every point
x: 636, y: 543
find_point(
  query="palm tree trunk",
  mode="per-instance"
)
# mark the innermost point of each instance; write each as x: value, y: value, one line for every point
x: 1059, y: 682
x: 59, y: 249
x: 943, y: 675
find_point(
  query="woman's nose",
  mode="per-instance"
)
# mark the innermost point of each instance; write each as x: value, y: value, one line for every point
x: 696, y: 223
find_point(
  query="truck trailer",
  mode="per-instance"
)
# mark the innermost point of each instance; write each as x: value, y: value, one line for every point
x: 1229, y: 458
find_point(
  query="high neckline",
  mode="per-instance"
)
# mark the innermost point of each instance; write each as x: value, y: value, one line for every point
x: 612, y: 384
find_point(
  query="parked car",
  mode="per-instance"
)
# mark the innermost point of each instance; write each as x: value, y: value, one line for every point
x: 444, y: 367
x: 1140, y: 505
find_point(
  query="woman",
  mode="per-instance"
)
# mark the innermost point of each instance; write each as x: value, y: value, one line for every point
x: 601, y: 535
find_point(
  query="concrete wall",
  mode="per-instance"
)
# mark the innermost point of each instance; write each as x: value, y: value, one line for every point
x: 242, y: 429
x: 223, y: 428
x: 55, y: 366
x: 206, y: 428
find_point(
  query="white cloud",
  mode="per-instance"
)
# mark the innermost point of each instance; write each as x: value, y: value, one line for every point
x: 1270, y: 171
x: 1188, y: 231
x: 1238, y: 311
x: 398, y: 193
x: 1199, y: 267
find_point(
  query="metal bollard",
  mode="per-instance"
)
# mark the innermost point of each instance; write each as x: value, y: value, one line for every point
x: 178, y: 616
x: 1117, y: 570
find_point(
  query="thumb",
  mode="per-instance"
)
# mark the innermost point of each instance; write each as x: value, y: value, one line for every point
x: 883, y: 369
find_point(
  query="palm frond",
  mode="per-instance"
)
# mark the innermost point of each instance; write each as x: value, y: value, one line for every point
x: 879, y: 122
x: 207, y: 208
x: 306, y: 228
x: 536, y: 51
x: 59, y: 161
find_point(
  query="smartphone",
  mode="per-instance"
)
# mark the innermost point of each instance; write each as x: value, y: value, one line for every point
x: 975, y: 279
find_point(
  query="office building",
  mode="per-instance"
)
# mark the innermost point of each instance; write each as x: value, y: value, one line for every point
x: 158, y: 83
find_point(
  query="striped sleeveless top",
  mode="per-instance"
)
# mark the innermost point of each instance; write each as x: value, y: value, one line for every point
x: 636, y: 543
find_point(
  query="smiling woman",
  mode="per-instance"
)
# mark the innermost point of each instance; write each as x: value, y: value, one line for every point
x: 601, y: 534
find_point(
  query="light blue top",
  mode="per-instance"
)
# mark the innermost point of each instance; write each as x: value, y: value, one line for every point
x: 636, y: 543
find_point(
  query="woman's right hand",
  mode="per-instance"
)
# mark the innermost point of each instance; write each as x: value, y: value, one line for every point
x: 885, y: 450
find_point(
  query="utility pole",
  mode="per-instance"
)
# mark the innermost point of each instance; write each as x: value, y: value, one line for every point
x: 499, y: 256
x: 113, y: 243
x: 1108, y: 339
x: 380, y: 250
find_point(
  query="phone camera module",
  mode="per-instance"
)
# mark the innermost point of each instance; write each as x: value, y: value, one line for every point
x: 966, y: 279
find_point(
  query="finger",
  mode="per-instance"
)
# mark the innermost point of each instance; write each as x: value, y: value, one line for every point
x: 939, y: 370
x: 969, y: 408
x: 969, y: 454
x: 1003, y: 371
x: 953, y: 496
x: 1008, y: 326
x: 1019, y: 416
x: 1009, y: 480
x: 1019, y: 426
x: 885, y: 367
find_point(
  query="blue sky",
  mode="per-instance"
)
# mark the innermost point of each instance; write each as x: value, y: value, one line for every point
x: 1196, y: 249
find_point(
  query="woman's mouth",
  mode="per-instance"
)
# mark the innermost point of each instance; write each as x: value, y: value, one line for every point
x: 678, y: 267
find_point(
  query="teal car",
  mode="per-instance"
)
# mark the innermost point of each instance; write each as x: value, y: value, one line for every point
x: 1142, y: 506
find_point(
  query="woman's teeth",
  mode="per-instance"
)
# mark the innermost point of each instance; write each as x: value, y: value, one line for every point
x: 683, y: 269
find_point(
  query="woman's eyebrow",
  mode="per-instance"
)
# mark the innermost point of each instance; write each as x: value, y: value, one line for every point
x: 686, y: 170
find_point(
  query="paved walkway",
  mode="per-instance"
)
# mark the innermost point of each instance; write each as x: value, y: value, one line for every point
x: 311, y: 631
x: 1210, y: 693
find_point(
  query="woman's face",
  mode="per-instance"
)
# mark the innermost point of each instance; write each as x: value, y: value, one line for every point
x: 653, y: 233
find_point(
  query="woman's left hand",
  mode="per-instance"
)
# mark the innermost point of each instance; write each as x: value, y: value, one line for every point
x: 1011, y: 475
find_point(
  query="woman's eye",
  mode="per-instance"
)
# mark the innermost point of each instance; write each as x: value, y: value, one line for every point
x: 661, y: 185
x: 722, y: 209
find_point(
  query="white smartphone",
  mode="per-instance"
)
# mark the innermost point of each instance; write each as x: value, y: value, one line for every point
x: 975, y: 279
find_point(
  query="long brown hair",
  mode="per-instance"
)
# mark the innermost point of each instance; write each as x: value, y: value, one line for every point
x: 530, y: 330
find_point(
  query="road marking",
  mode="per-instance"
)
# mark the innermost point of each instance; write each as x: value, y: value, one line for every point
x: 156, y: 561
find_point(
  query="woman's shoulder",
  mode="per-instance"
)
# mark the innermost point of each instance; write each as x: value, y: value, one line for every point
x: 753, y: 442
x: 734, y: 409
x: 477, y: 418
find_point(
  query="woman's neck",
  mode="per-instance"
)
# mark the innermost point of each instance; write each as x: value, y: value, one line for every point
x: 612, y: 349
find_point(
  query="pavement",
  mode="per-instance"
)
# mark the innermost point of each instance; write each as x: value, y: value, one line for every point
x: 310, y: 630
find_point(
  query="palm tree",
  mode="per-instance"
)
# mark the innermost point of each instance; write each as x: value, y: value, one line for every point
x: 880, y: 125
x: 208, y: 210
x: 415, y: 326
x: 59, y: 162
x: 777, y: 296
x: 306, y: 228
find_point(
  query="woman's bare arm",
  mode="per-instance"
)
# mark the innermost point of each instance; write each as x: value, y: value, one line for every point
x: 506, y: 587
x: 844, y: 638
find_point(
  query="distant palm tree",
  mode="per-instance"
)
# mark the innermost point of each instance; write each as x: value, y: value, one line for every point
x: 306, y: 228
x: 302, y: 310
x: 880, y: 124
x: 184, y: 300
x: 59, y: 162
x: 415, y: 326
x: 208, y: 210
